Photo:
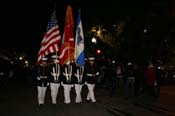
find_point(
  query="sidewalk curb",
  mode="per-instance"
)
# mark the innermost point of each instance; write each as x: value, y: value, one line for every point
x: 117, y: 112
x: 155, y: 108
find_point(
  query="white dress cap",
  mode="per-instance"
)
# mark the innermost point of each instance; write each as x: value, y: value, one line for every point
x: 44, y: 59
x: 91, y: 58
x: 54, y: 56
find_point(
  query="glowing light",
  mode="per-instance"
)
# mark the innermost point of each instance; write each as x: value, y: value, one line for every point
x: 26, y: 62
x: 98, y: 51
x: 145, y: 30
x: 20, y: 58
x: 94, y: 40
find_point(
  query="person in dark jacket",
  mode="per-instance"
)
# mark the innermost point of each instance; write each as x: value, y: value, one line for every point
x: 128, y: 80
x: 113, y: 79
x: 138, y: 74
x: 158, y: 80
x: 150, y: 75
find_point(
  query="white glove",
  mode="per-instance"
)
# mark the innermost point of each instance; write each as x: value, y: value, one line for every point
x: 97, y: 73
x: 38, y: 78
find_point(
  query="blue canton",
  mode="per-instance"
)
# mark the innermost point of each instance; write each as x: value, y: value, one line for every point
x: 52, y: 22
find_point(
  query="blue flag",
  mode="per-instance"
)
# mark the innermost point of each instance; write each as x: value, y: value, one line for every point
x: 79, y: 43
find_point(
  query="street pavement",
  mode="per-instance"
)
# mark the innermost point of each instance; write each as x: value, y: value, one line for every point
x: 19, y: 98
x: 165, y: 104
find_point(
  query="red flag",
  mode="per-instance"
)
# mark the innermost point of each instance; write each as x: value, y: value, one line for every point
x: 51, y: 38
x: 67, y: 46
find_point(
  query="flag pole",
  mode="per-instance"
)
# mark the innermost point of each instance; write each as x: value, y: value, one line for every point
x: 68, y: 59
x: 68, y: 55
x: 56, y: 65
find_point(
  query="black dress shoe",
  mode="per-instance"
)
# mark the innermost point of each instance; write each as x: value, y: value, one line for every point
x: 40, y: 105
x: 54, y: 105
x: 88, y: 101
x: 93, y: 102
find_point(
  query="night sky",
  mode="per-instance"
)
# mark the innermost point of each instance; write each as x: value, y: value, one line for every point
x: 24, y: 22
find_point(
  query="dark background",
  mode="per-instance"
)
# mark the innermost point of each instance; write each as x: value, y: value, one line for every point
x: 24, y: 22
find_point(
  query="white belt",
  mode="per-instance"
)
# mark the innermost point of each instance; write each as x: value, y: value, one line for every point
x: 90, y: 74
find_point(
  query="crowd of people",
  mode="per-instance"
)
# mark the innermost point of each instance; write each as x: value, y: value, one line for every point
x: 134, y: 78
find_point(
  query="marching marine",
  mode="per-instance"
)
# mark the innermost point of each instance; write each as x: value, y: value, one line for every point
x: 91, y: 72
x: 67, y: 81
x: 54, y: 77
x: 78, y: 81
x: 42, y: 80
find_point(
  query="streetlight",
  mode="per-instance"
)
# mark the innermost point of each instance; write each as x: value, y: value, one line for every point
x: 20, y: 58
x: 99, y: 32
x: 94, y: 40
x: 11, y: 62
x: 26, y: 62
x: 145, y: 30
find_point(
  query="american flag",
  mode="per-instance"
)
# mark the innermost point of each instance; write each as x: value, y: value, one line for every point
x: 51, y: 38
